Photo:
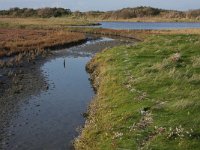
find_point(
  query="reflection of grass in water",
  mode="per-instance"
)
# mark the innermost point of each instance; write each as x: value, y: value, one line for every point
x: 148, y: 96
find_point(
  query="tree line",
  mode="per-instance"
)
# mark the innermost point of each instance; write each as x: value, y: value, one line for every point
x: 125, y: 13
x: 41, y: 12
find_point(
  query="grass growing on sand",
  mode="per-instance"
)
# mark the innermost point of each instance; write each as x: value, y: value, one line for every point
x: 147, y: 96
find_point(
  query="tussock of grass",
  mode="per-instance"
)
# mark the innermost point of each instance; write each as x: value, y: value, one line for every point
x: 147, y: 96
x: 196, y: 61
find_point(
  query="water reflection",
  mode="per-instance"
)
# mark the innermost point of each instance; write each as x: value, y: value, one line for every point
x: 49, y: 120
x: 64, y: 63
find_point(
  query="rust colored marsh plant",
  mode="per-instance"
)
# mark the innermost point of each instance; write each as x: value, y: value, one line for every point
x: 15, y: 41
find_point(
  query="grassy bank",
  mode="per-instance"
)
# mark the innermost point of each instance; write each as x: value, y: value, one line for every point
x: 30, y: 43
x: 147, y: 96
x: 13, y: 41
x: 148, y: 19
x: 131, y: 34
x: 42, y: 23
x: 67, y: 23
x: 138, y: 35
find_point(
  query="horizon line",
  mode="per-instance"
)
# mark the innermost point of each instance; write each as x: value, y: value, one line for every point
x: 99, y: 10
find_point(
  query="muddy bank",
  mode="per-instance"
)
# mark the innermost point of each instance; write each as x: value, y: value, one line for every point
x: 20, y: 83
x: 17, y: 85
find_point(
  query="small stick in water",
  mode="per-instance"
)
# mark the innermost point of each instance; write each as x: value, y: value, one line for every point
x: 64, y: 63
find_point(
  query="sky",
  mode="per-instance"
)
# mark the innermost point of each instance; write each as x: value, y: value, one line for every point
x: 102, y: 5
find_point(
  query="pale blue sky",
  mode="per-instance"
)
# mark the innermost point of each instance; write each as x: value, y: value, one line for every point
x: 85, y: 5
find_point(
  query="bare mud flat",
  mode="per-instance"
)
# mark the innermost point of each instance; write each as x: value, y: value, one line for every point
x: 41, y: 103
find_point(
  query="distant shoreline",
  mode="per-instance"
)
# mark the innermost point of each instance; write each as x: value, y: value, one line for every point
x: 137, y: 14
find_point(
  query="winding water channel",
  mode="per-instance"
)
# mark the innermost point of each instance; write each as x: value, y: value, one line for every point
x: 49, y: 120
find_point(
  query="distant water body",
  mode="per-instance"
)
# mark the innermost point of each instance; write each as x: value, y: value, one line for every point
x: 149, y: 25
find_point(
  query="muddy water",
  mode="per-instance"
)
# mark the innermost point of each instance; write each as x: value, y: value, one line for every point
x: 50, y: 119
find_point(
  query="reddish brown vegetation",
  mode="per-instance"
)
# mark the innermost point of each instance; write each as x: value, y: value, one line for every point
x: 14, y: 41
x: 138, y: 35
x: 131, y: 34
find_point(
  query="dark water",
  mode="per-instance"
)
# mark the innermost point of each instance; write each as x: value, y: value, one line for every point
x: 49, y: 121
x: 148, y: 25
x: 54, y: 114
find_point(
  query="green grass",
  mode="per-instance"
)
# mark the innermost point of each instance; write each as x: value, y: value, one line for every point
x: 146, y: 76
